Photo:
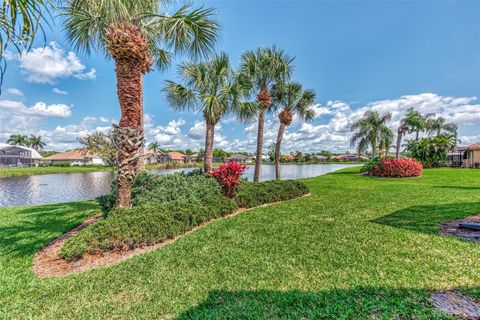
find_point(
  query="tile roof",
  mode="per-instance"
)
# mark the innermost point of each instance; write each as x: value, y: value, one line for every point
x: 76, y: 154
x: 176, y: 155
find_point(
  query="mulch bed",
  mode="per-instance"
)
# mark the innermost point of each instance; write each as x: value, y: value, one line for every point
x: 455, y: 304
x: 47, y: 263
x: 452, y: 228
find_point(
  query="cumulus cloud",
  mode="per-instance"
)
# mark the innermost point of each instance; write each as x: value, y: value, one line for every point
x: 59, y: 91
x: 38, y: 109
x: 15, y: 92
x: 47, y: 64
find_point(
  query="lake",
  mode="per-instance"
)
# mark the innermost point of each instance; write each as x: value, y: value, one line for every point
x: 57, y: 188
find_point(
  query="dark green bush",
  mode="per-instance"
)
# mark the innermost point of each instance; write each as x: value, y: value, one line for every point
x: 144, y: 225
x: 250, y: 194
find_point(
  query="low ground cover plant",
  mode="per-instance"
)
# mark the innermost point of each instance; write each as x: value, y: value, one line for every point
x: 165, y: 206
x: 393, y: 168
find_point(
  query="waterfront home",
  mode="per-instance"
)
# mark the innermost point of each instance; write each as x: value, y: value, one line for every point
x: 177, y: 157
x: 18, y: 156
x: 470, y: 155
x: 150, y: 157
x: 318, y: 158
x: 79, y: 157
x: 237, y: 157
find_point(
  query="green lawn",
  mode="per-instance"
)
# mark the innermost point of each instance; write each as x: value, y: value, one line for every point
x: 30, y: 171
x: 357, y: 248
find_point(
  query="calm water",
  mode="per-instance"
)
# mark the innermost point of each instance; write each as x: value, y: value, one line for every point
x: 57, y: 188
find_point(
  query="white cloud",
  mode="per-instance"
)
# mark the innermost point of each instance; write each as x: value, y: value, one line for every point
x: 38, y: 109
x: 46, y: 64
x: 15, y: 92
x: 59, y: 91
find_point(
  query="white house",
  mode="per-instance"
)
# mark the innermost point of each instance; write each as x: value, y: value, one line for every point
x: 79, y: 157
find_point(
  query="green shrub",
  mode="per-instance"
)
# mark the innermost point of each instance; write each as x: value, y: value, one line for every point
x: 250, y: 194
x: 144, y: 225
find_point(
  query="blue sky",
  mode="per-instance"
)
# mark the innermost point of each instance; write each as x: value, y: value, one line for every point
x: 360, y: 55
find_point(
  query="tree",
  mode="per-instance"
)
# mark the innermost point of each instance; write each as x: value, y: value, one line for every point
x: 18, y: 140
x: 432, y: 152
x: 261, y: 69
x: 370, y: 131
x: 271, y: 151
x: 292, y: 100
x: 153, y: 146
x: 36, y: 142
x: 220, y: 154
x: 101, y: 144
x: 210, y: 88
x: 440, y: 125
x: 136, y: 35
x: 20, y: 22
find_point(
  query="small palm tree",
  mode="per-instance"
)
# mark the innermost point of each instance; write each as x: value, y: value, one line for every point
x: 371, y: 131
x: 413, y: 121
x: 36, y: 142
x: 261, y: 69
x: 210, y: 88
x: 153, y: 146
x: 135, y: 34
x: 293, y: 100
x: 18, y: 140
x: 435, y: 126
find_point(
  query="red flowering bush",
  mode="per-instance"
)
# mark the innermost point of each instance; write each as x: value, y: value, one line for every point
x: 228, y: 176
x: 393, y: 168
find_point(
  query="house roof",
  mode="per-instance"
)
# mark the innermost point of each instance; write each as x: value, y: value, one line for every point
x: 289, y: 157
x: 475, y: 146
x: 34, y: 153
x: 76, y: 154
x: 176, y: 155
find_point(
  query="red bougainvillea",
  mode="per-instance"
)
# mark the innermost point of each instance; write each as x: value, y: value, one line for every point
x: 396, y: 168
x: 228, y: 175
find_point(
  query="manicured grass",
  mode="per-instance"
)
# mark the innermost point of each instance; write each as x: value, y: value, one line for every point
x: 357, y: 248
x: 29, y: 171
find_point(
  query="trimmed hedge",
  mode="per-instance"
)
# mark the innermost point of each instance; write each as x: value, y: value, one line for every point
x: 393, y: 168
x: 165, y: 206
x: 251, y: 195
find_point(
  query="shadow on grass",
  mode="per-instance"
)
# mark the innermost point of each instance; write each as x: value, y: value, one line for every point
x: 37, y: 225
x: 356, y: 303
x: 428, y: 218
x: 458, y: 187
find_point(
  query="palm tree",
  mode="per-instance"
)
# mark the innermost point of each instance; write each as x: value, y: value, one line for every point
x: 413, y: 121
x: 153, y: 146
x: 371, y: 131
x: 36, y: 142
x: 294, y: 101
x: 210, y: 88
x: 136, y: 35
x: 438, y: 125
x: 261, y: 69
x: 18, y: 140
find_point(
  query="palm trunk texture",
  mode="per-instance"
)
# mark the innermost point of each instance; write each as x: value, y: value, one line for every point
x: 207, y: 163
x: 281, y: 130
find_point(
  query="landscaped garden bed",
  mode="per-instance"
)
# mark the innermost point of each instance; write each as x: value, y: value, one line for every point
x: 164, y: 207
x: 392, y: 168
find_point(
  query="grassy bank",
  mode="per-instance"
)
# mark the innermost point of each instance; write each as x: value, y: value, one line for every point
x: 29, y: 171
x: 357, y: 248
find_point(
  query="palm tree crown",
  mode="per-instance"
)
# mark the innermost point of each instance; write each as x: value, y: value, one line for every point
x: 210, y: 88
x: 36, y: 142
x: 18, y: 140
x: 438, y: 125
x: 371, y: 131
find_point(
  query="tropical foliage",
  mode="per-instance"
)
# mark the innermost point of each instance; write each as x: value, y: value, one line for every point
x: 371, y: 132
x: 292, y: 100
x: 228, y: 176
x: 36, y: 142
x: 18, y: 140
x: 431, y: 152
x: 136, y: 34
x: 393, y: 168
x: 209, y: 88
x: 101, y: 144
x: 261, y: 70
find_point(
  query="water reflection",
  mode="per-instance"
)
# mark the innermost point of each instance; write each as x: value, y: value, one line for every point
x: 57, y: 188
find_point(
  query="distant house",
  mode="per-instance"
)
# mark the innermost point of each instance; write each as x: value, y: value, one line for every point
x: 318, y: 158
x: 176, y: 157
x: 289, y: 157
x: 79, y: 157
x: 237, y: 157
x: 191, y: 158
x: 470, y: 155
x: 162, y: 157
x: 18, y: 156
x: 149, y: 157
x: 348, y: 157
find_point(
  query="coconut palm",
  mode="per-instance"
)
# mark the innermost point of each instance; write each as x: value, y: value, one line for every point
x: 261, y: 69
x: 136, y: 35
x: 36, y: 142
x: 371, y: 131
x: 18, y: 140
x: 435, y: 126
x: 210, y: 88
x: 413, y: 121
x: 293, y: 100
x: 153, y: 146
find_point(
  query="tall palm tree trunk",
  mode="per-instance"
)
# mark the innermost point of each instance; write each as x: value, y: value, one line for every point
x: 208, y: 157
x: 399, y: 143
x: 132, y: 58
x: 258, y: 158
x: 281, y: 130
x: 417, y: 135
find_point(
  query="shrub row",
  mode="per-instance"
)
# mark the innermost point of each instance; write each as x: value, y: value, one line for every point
x: 393, y: 168
x: 168, y: 205
x: 250, y: 194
